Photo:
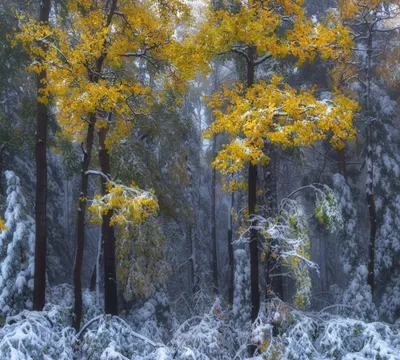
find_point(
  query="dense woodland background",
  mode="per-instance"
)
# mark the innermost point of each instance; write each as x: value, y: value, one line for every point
x: 183, y: 279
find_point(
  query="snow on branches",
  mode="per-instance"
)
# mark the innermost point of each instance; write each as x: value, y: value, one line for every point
x: 16, y: 251
x: 285, y: 236
x: 130, y: 204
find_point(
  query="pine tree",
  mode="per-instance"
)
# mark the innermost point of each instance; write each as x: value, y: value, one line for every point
x: 16, y: 252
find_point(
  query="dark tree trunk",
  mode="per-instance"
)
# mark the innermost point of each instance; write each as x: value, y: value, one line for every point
x: 341, y: 162
x: 93, y: 276
x: 194, y: 276
x: 252, y: 202
x: 2, y: 151
x: 231, y: 280
x: 213, y: 220
x: 274, y: 283
x: 80, y: 244
x: 42, y: 117
x: 370, y: 171
x: 108, y: 236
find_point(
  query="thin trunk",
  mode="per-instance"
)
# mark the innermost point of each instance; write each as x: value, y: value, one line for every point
x: 372, y: 214
x: 42, y: 117
x: 231, y: 279
x: 2, y: 151
x: 95, y: 273
x: 213, y: 220
x: 80, y: 243
x: 108, y: 236
x: 370, y: 174
x: 98, y: 269
x: 252, y: 202
x: 193, y: 264
x: 341, y: 162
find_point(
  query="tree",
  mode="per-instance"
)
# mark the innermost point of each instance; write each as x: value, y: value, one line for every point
x: 17, y: 243
x: 94, y: 68
x: 370, y: 22
x: 279, y: 114
x: 259, y: 31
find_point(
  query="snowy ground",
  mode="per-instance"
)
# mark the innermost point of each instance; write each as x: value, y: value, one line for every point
x: 281, y: 333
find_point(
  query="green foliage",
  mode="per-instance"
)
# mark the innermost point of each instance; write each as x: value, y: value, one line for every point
x: 327, y: 210
x: 142, y: 267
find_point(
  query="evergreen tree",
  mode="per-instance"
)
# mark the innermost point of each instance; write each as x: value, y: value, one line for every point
x: 16, y: 251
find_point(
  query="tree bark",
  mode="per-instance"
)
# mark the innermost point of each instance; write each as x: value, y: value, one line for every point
x: 107, y: 233
x: 2, y: 151
x: 274, y: 284
x: 231, y: 279
x: 372, y: 215
x: 252, y: 202
x: 80, y: 244
x: 42, y: 118
x: 213, y: 220
x: 341, y: 162
x: 370, y: 170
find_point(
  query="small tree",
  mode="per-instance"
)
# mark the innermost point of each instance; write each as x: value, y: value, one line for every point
x: 17, y: 243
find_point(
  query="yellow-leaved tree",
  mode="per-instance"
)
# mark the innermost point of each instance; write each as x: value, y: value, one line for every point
x: 95, y: 61
x: 259, y: 112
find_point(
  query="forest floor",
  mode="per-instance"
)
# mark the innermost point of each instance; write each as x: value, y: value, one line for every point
x: 280, y: 332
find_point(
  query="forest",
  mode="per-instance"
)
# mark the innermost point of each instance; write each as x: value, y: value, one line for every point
x: 199, y: 179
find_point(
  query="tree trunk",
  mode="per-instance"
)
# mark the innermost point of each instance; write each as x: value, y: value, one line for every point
x: 274, y: 284
x: 341, y: 162
x: 193, y: 261
x: 42, y: 117
x: 108, y: 236
x: 213, y: 220
x: 370, y: 172
x: 80, y: 244
x: 372, y: 214
x: 252, y: 202
x: 231, y: 280
x: 2, y: 151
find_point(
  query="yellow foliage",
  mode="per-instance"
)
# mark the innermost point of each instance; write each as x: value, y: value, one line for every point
x: 277, y: 113
x: 130, y: 205
x: 3, y: 226
x: 354, y: 8
x: 275, y: 27
x: 141, y: 29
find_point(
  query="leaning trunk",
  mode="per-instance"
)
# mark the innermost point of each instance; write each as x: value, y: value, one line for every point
x: 42, y: 117
x: 108, y: 236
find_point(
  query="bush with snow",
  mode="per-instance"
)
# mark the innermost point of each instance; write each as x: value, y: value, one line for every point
x: 38, y: 335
